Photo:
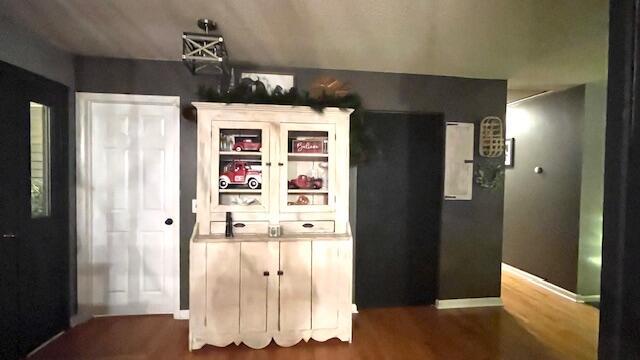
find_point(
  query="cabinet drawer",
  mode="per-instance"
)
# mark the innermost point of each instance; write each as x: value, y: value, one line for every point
x: 289, y: 227
x: 241, y: 227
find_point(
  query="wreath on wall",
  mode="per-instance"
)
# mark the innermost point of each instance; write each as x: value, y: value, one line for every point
x: 322, y: 96
x: 489, y: 175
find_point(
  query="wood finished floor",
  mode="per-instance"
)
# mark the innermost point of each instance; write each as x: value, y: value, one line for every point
x: 533, y: 324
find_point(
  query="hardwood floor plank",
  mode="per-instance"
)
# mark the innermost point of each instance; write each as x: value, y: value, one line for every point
x: 534, y: 324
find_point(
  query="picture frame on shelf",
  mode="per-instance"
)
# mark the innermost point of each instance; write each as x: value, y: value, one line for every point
x: 509, y: 152
x: 271, y: 80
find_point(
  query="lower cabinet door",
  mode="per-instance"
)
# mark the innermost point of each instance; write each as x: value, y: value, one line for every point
x: 222, y: 302
x: 331, y: 277
x: 258, y: 285
x: 295, y: 285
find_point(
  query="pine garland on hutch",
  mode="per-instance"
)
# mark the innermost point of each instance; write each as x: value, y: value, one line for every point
x: 254, y: 92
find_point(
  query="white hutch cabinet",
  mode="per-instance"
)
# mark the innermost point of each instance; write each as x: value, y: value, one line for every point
x: 278, y: 169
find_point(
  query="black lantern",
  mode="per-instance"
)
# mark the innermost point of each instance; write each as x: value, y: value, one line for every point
x: 204, y: 53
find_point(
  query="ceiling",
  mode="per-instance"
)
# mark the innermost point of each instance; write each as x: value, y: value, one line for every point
x: 536, y: 44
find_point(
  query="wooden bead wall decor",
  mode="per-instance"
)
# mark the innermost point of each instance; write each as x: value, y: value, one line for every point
x: 491, y: 142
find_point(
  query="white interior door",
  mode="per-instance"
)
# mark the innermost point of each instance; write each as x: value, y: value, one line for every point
x: 134, y: 207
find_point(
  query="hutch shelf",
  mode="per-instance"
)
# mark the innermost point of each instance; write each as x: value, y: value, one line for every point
x: 282, y: 170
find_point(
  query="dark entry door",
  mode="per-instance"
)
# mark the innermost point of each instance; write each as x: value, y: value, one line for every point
x: 34, y: 241
x: 399, y: 204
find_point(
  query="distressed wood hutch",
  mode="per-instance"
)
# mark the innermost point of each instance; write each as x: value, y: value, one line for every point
x: 281, y: 171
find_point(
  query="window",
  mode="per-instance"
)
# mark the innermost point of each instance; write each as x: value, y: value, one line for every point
x: 40, y: 161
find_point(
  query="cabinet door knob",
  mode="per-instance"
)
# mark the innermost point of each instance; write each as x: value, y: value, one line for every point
x: 280, y: 272
x: 268, y: 164
x: 280, y: 164
x: 266, y: 273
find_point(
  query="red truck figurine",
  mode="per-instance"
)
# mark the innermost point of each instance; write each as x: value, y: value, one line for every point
x: 247, y: 144
x: 240, y: 173
x: 305, y: 182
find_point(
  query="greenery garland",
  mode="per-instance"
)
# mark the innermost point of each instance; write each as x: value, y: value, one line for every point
x: 254, y: 92
x: 489, y: 175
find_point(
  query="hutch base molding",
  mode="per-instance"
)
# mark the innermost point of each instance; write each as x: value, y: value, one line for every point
x: 276, y: 177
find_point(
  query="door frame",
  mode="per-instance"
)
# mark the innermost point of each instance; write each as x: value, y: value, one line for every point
x: 620, y: 285
x: 84, y: 218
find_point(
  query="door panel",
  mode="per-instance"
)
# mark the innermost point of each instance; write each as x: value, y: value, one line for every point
x: 134, y: 148
x: 33, y: 206
x: 295, y: 285
x: 8, y: 298
x: 9, y: 218
x: 223, y: 288
x: 256, y: 272
x: 329, y: 283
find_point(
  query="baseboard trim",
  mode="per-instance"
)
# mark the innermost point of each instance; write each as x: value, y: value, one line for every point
x: 78, y: 319
x: 588, y: 298
x: 468, y: 303
x: 45, y: 344
x: 549, y: 286
x: 181, y: 315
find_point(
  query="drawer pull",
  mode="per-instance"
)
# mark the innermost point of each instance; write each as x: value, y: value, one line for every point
x: 268, y: 164
x: 307, y: 225
x: 280, y: 164
x: 239, y: 225
x: 280, y: 272
x: 266, y: 273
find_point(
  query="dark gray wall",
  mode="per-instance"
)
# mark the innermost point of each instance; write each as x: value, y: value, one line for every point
x: 542, y: 211
x: 471, y: 243
x: 23, y: 48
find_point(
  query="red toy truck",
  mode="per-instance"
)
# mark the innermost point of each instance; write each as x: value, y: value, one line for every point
x: 240, y: 173
x: 305, y: 182
x: 247, y: 144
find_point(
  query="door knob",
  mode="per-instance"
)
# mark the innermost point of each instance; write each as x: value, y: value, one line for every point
x: 169, y: 221
x: 9, y: 236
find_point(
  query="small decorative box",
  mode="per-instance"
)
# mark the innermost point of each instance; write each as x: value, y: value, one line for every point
x: 309, y: 146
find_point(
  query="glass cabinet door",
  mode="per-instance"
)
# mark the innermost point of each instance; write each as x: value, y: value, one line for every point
x: 307, y: 173
x: 240, y: 167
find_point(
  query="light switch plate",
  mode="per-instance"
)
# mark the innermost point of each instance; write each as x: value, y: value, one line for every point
x: 194, y: 206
